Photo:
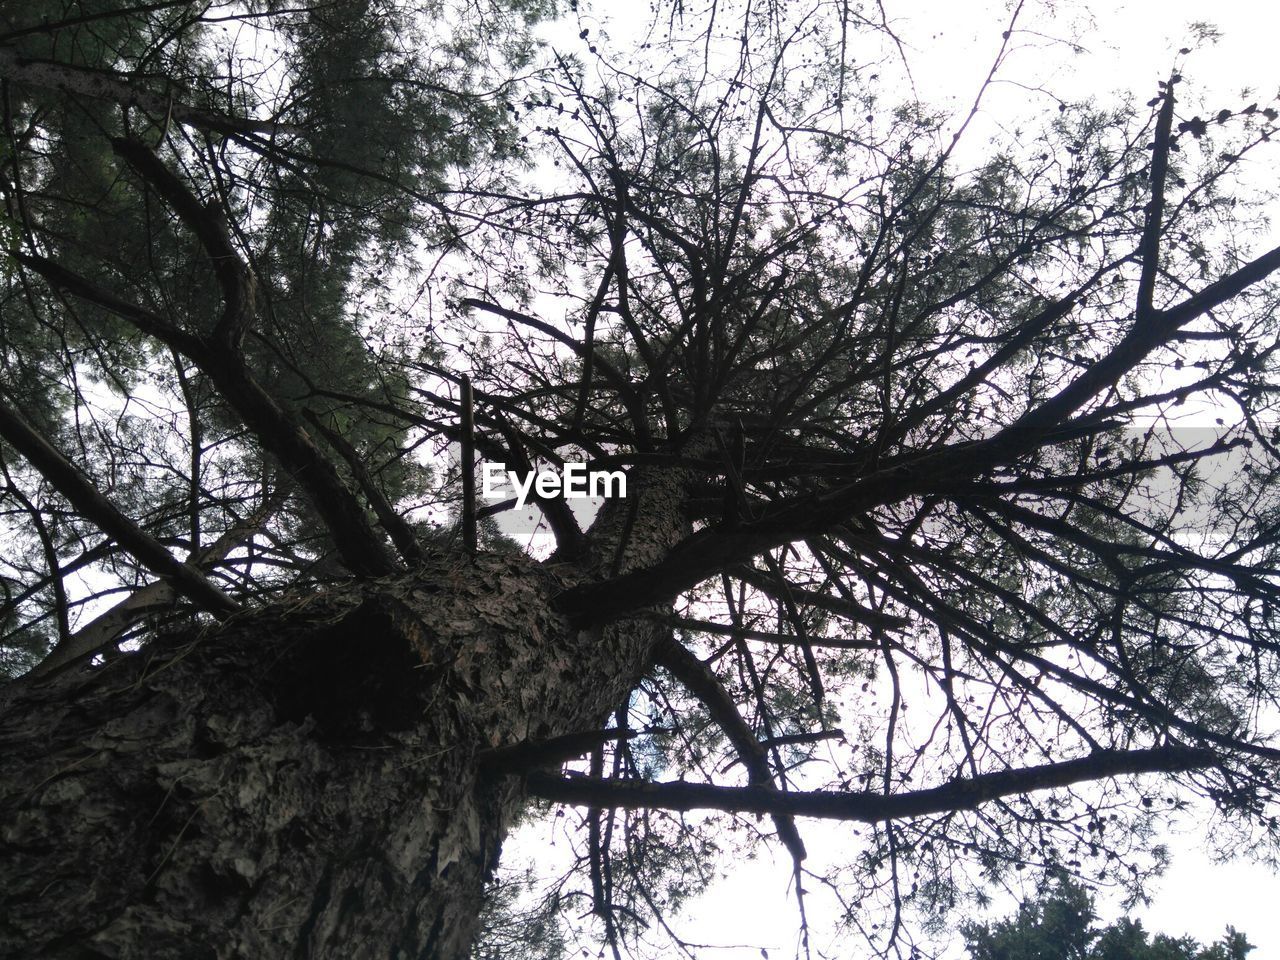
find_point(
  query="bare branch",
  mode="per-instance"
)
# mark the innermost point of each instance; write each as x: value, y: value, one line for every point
x: 699, y: 680
x: 67, y: 479
x: 104, y: 630
x: 866, y: 807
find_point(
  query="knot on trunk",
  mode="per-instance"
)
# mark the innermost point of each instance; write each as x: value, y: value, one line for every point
x: 366, y: 672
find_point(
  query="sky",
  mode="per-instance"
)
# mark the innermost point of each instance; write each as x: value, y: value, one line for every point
x: 1125, y: 48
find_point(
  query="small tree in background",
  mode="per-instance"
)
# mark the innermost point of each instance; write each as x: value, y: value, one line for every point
x: 1061, y: 925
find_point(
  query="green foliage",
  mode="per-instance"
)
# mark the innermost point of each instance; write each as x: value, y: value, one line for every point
x: 330, y: 217
x: 516, y: 925
x: 1062, y: 925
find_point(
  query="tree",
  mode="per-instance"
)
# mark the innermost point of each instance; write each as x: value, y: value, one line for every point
x: 896, y: 433
x: 1062, y: 924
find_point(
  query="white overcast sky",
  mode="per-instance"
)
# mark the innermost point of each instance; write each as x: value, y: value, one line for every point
x: 1128, y: 48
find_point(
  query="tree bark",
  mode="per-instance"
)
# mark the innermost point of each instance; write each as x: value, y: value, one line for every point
x: 298, y: 782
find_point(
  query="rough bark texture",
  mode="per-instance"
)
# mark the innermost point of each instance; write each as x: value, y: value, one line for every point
x: 301, y: 781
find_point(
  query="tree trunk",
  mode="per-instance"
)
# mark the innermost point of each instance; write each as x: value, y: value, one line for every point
x: 299, y: 782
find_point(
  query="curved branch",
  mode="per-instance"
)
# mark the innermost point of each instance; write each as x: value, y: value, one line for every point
x: 699, y: 680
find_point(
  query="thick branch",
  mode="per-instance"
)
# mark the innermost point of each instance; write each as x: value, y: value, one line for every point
x: 104, y: 630
x: 122, y: 89
x: 219, y: 359
x: 239, y: 287
x: 467, y: 464
x: 964, y: 794
x: 151, y: 324
x: 67, y: 479
x: 402, y: 535
x: 531, y: 754
x: 699, y: 680
x: 564, y: 525
x: 1149, y: 248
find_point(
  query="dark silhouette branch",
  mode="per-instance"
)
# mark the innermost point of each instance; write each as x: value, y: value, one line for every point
x: 467, y: 455
x: 528, y: 755
x: 104, y: 630
x: 206, y: 221
x: 401, y: 534
x: 700, y: 681
x: 766, y: 636
x: 126, y: 90
x: 1149, y: 247
x: 147, y: 322
x: 220, y: 360
x: 962, y: 794
x: 67, y: 479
